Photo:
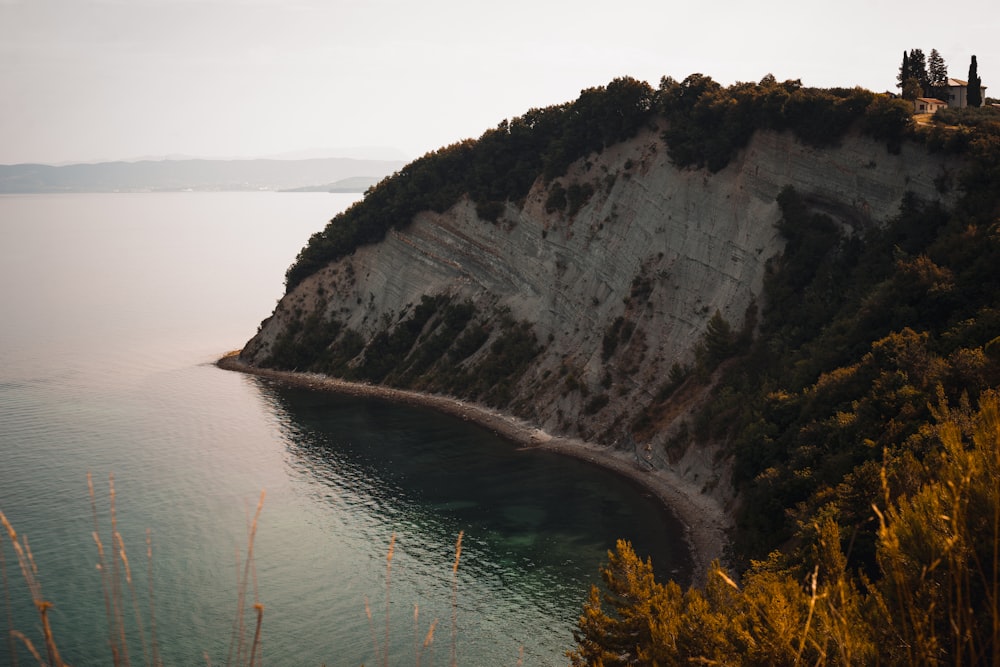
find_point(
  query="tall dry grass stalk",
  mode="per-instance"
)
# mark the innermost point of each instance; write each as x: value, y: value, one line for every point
x: 388, y: 577
x: 418, y: 647
x: 115, y: 601
x: 7, y: 608
x: 371, y: 626
x: 428, y: 642
x: 454, y: 599
x: 30, y: 571
x: 425, y: 648
x: 382, y: 649
x: 114, y: 565
x: 238, y: 642
x: 152, y: 600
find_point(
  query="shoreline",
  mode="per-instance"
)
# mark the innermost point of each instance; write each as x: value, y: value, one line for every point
x: 704, y: 519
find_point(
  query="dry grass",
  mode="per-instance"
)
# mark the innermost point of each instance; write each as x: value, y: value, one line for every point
x: 124, y: 613
x: 935, y: 601
x: 29, y: 571
x: 425, y: 648
x: 121, y: 599
x: 238, y: 653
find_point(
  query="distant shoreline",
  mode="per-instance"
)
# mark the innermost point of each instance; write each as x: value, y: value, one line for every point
x: 705, y: 521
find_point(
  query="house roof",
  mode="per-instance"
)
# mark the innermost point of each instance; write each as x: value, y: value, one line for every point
x: 958, y: 83
x: 931, y: 100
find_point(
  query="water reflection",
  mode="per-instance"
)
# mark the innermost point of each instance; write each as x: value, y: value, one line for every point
x: 537, y: 527
x: 539, y: 524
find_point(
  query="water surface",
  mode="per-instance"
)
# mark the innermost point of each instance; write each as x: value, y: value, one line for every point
x: 115, y: 308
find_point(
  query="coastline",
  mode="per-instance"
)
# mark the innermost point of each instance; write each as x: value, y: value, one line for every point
x: 705, y: 520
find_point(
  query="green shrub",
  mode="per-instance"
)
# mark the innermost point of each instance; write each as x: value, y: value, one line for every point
x: 556, y: 201
x: 576, y: 196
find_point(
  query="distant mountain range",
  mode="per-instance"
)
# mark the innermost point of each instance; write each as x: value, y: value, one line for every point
x: 324, y: 174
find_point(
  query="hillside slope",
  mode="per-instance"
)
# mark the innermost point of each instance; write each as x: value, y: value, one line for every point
x: 579, y: 306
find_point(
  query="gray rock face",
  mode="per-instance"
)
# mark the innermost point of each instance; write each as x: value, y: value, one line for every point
x: 662, y: 248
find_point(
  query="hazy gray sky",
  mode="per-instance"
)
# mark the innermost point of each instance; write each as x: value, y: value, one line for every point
x: 111, y: 79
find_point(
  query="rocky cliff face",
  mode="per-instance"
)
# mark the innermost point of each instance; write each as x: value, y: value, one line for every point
x: 617, y: 268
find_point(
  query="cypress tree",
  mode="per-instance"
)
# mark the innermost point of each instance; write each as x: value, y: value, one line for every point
x: 974, y: 92
x: 904, y: 70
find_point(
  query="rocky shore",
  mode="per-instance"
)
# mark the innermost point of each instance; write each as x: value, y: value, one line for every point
x: 706, y: 521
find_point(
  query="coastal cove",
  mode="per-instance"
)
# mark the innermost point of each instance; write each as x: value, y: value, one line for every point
x: 705, y: 521
x: 108, y: 366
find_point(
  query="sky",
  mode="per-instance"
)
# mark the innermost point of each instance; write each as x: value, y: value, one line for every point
x: 88, y: 80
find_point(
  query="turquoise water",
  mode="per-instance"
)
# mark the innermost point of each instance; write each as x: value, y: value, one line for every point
x: 113, y: 309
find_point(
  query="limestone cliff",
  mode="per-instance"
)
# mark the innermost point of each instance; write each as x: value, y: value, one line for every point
x: 617, y: 267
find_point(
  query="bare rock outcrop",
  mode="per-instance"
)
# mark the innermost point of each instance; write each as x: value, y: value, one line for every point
x: 619, y: 283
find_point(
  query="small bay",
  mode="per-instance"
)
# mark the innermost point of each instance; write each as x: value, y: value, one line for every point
x: 115, y: 307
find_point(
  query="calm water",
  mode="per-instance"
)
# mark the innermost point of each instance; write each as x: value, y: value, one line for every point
x: 112, y: 309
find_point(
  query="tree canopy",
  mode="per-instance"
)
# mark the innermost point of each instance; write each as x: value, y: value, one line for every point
x: 500, y: 166
x: 937, y: 69
x: 706, y: 124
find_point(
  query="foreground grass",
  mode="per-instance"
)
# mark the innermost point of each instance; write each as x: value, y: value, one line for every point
x: 123, y: 610
x: 131, y: 625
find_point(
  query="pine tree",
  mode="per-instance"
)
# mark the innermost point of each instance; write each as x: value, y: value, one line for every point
x: 974, y: 94
x: 918, y: 70
x: 937, y: 69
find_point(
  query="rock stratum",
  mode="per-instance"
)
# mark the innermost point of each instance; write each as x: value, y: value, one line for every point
x: 576, y: 309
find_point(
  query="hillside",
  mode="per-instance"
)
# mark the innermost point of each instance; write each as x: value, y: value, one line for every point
x: 603, y: 302
x: 775, y: 292
x: 573, y: 314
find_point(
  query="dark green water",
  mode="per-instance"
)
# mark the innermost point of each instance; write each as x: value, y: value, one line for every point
x: 115, y: 307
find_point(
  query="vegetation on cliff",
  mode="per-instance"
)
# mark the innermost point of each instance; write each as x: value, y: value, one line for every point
x: 857, y: 415
x: 863, y: 423
x: 706, y: 124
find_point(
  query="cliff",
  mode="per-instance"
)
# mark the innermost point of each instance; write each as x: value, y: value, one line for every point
x: 575, y: 309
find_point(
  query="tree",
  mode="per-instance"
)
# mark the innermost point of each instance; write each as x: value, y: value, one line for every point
x: 937, y: 70
x: 974, y: 89
x: 912, y: 89
x: 918, y: 69
x: 615, y: 638
x: 904, y: 71
x: 718, y: 343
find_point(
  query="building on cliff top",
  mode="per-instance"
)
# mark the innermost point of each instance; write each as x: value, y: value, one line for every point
x: 928, y: 105
x: 955, y: 92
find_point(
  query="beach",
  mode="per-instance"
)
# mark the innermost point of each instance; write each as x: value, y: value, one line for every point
x: 705, y: 521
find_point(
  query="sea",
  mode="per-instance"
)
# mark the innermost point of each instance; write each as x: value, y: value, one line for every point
x: 113, y: 310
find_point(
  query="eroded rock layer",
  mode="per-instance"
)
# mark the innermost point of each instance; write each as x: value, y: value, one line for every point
x: 577, y: 309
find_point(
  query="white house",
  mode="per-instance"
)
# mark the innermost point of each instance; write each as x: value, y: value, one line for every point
x: 955, y: 93
x: 928, y: 105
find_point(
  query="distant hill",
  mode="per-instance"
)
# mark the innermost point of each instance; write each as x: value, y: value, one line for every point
x: 206, y: 175
x: 352, y: 184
